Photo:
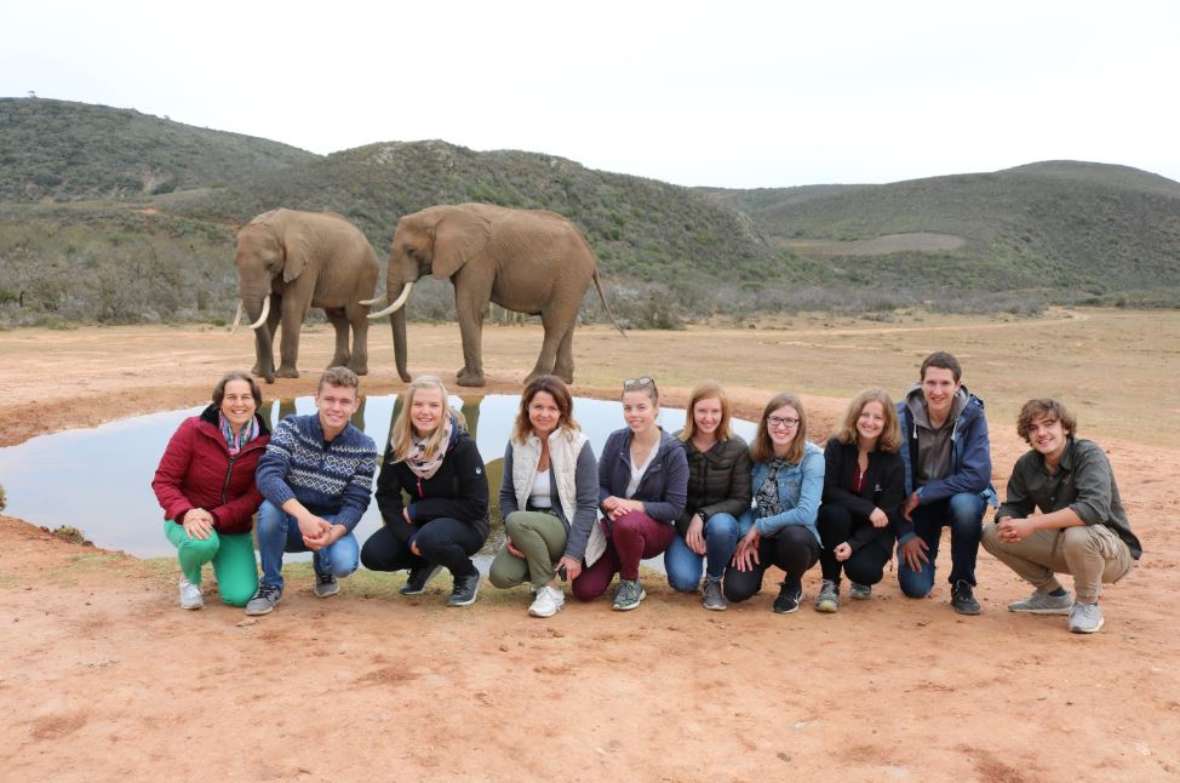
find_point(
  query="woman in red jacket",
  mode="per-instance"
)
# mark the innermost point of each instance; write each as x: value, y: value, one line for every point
x: 205, y: 484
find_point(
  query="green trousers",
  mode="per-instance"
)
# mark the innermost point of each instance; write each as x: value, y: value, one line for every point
x: 232, y: 556
x: 541, y: 537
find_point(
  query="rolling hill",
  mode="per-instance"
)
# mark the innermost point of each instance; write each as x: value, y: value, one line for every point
x: 115, y: 216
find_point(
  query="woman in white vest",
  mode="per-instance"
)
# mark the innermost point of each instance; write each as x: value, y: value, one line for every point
x: 548, y: 498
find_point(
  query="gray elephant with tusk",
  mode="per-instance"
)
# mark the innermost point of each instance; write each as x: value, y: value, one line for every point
x: 290, y: 261
x: 527, y: 260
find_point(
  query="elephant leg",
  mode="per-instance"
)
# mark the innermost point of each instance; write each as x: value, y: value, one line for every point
x: 293, y: 315
x: 469, y: 305
x: 358, y: 317
x: 340, y: 323
x: 555, y: 329
x: 564, y: 368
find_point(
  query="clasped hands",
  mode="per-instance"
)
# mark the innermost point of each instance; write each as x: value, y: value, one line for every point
x: 318, y: 532
x: 617, y: 507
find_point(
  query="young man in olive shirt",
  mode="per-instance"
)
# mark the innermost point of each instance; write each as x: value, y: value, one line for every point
x: 1081, y: 529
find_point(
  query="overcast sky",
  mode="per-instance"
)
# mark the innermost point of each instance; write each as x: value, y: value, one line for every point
x: 725, y: 92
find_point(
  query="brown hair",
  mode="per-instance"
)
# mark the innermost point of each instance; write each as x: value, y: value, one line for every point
x: 553, y: 386
x: 236, y: 375
x: 401, y: 435
x: 709, y: 390
x: 762, y: 450
x: 890, y: 437
x: 1044, y: 407
x: 942, y: 360
x: 339, y: 376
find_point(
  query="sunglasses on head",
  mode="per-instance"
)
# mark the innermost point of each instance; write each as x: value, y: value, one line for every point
x: 641, y: 382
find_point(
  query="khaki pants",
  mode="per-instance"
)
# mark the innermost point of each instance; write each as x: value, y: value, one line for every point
x: 1093, y: 554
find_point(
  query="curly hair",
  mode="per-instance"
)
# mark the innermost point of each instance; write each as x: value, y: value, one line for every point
x: 1044, y: 407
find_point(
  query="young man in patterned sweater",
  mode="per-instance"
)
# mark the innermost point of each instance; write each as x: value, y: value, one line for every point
x: 316, y: 476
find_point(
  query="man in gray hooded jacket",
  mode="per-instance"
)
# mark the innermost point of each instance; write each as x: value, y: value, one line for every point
x: 947, y: 458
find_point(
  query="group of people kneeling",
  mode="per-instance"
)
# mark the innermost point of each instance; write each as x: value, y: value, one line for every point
x: 890, y: 478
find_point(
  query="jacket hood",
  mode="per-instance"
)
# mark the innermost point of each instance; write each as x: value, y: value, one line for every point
x: 212, y: 416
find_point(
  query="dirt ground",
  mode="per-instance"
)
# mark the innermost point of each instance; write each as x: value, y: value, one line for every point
x: 104, y: 678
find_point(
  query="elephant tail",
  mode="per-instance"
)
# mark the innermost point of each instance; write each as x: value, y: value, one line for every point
x: 605, y: 306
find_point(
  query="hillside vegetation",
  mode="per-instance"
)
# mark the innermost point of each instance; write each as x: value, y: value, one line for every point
x: 113, y: 216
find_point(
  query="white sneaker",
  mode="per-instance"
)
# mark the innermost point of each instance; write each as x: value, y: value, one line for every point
x: 548, y: 602
x: 190, y: 595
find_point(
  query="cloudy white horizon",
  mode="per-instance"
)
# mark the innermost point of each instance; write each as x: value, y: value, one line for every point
x: 735, y: 94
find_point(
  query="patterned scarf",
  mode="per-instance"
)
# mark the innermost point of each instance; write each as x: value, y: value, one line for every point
x: 236, y: 440
x: 767, y: 498
x: 422, y: 466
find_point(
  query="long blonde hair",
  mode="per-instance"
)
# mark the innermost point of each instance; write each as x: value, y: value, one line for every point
x: 890, y: 438
x: 401, y: 436
x: 762, y: 450
x: 709, y: 390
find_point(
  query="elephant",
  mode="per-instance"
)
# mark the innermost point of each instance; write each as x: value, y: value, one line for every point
x: 301, y: 260
x: 530, y: 261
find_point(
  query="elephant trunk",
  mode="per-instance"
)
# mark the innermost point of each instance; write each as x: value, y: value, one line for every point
x: 262, y: 318
x: 395, y: 304
x: 397, y: 321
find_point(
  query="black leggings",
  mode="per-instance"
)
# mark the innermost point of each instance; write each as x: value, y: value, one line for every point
x: 866, y: 566
x: 443, y: 541
x: 794, y: 550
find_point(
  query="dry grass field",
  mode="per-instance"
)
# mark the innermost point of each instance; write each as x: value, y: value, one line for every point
x: 105, y: 678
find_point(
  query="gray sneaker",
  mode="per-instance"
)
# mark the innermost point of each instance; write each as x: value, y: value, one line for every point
x: 465, y: 591
x: 628, y: 596
x: 264, y: 601
x: 714, y: 596
x: 859, y: 592
x: 828, y: 600
x: 1043, y: 603
x: 1085, y: 618
x: 326, y: 586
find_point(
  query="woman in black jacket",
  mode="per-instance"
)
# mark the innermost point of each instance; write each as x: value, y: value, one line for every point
x: 718, y: 493
x: 436, y: 463
x: 864, y: 487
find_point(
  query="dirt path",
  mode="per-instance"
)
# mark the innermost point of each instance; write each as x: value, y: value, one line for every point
x: 106, y: 679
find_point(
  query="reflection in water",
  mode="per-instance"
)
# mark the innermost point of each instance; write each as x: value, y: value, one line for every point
x: 109, y: 469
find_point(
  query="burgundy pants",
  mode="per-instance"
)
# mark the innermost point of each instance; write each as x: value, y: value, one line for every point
x: 632, y: 537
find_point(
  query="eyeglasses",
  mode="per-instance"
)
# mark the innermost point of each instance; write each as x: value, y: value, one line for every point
x: 642, y: 382
x: 781, y: 422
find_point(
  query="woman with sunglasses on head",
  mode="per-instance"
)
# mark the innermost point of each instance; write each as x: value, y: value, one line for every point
x: 718, y: 493
x: 436, y: 463
x: 205, y: 484
x: 548, y: 497
x: 642, y: 483
x: 788, y: 482
x: 864, y: 487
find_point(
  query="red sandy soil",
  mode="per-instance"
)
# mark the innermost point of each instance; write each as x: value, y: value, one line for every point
x: 104, y: 678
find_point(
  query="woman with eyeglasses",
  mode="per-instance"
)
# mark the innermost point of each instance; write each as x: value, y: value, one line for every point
x: 788, y: 482
x: 548, y: 497
x: 864, y: 486
x: 642, y: 484
x: 718, y: 493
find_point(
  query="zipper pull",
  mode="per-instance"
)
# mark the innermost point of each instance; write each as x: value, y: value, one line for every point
x: 420, y: 493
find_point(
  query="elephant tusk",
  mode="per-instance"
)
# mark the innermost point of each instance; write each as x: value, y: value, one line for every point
x: 372, y: 301
x: 237, y: 318
x: 401, y: 300
x: 265, y: 312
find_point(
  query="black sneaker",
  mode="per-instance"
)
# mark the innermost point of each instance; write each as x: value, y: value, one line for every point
x: 788, y: 599
x: 416, y: 581
x: 963, y: 599
x: 465, y: 591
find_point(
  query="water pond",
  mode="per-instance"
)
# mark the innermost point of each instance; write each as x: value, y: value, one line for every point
x: 99, y: 479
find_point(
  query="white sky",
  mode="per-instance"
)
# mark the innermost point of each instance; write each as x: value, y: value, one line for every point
x: 729, y: 93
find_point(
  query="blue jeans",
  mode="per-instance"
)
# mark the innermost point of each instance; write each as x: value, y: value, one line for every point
x: 964, y: 514
x: 684, y: 565
x: 278, y: 532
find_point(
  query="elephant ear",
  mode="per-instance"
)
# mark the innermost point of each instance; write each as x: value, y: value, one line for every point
x: 458, y: 237
x: 297, y: 249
